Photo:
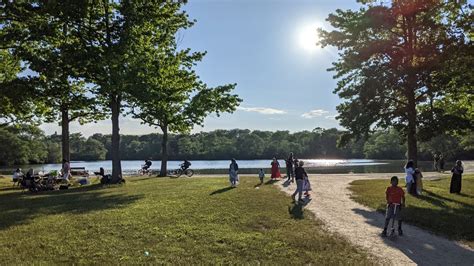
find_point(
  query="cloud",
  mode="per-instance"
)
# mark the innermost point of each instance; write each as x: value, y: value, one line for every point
x: 314, y: 113
x: 331, y: 117
x: 262, y: 110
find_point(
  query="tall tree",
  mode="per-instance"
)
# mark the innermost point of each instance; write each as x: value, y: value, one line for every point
x: 389, y: 56
x: 41, y: 35
x: 174, y: 99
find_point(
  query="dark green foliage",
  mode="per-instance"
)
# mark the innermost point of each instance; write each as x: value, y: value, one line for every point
x: 404, y: 64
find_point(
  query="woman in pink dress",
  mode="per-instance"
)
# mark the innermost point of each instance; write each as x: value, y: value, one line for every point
x: 275, y: 169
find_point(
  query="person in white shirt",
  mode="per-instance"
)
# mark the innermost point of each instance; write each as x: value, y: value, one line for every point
x: 409, y: 178
x: 66, y: 171
x: 17, y: 176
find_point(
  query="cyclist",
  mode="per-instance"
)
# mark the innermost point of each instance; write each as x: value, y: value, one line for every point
x: 185, y: 165
x: 147, y: 165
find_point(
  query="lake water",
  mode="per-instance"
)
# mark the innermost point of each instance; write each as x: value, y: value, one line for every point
x: 247, y: 166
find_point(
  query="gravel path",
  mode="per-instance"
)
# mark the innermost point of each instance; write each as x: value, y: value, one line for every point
x: 362, y: 226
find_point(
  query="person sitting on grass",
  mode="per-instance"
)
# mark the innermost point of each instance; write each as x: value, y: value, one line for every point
x: 300, y: 174
x: 395, y: 200
x: 261, y: 175
x: 17, y: 176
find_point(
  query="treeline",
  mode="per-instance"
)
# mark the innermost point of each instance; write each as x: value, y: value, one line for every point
x: 30, y: 145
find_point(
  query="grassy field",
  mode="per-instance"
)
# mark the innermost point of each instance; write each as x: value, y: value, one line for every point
x: 151, y: 220
x: 450, y: 215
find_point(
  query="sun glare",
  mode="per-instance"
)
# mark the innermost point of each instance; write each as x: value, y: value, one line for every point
x: 308, y: 37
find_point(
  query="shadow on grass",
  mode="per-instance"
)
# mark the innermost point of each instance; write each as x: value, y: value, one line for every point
x: 18, y: 208
x: 296, y: 211
x: 271, y: 182
x: 422, y: 247
x: 222, y: 190
x: 438, y: 198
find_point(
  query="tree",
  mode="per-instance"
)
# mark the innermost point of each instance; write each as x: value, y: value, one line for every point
x: 384, y: 145
x: 42, y: 35
x: 176, y: 100
x: 390, y: 56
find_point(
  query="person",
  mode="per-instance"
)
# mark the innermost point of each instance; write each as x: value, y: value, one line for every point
x: 275, y: 169
x: 409, y: 179
x: 395, y: 197
x: 300, y: 174
x: 66, y: 170
x: 290, y: 174
x: 456, y: 178
x: 233, y: 173
x: 185, y: 165
x: 17, y: 176
x: 147, y: 165
x: 436, y: 162
x: 307, y: 186
x: 261, y: 175
x: 418, y: 182
x: 441, y: 163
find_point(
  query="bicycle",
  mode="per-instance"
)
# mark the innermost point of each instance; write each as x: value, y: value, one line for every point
x: 144, y: 171
x: 179, y: 172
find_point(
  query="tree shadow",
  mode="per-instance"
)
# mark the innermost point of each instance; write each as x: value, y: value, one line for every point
x: 436, y: 197
x: 20, y: 208
x: 421, y: 246
x: 222, y: 190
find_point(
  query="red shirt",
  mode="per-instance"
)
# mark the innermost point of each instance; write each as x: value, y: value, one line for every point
x: 395, y: 194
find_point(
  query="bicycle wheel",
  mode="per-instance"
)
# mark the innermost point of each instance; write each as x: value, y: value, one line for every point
x: 189, y: 172
x: 179, y: 172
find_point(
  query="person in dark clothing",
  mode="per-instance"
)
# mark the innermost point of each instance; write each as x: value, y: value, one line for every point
x: 436, y: 162
x: 290, y: 174
x: 456, y: 178
x: 300, y: 174
x: 147, y: 165
x: 185, y: 165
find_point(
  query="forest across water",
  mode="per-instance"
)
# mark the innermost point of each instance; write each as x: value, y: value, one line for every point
x: 32, y: 146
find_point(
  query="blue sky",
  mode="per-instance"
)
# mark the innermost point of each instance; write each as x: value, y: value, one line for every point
x: 262, y: 46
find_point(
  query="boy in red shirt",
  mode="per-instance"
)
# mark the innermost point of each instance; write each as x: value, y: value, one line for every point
x: 395, y: 199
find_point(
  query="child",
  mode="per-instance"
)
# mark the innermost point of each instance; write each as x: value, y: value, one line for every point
x: 394, y: 195
x: 307, y: 186
x: 418, y: 182
x: 261, y: 175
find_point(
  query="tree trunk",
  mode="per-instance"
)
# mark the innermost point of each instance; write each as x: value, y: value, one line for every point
x: 164, y: 152
x: 411, y: 130
x: 65, y: 134
x: 116, y: 164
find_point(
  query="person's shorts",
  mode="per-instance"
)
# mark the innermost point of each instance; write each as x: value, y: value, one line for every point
x: 390, y: 212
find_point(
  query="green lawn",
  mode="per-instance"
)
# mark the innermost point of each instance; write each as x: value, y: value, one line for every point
x: 179, y: 221
x: 437, y: 210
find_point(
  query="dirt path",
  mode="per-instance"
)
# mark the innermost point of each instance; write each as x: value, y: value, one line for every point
x: 362, y: 226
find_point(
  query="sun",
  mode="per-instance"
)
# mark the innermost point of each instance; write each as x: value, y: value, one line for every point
x: 308, y: 37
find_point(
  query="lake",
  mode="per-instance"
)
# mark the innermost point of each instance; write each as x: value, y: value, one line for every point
x: 248, y: 166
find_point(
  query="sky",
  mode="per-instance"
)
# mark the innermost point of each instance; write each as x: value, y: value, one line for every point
x: 266, y: 47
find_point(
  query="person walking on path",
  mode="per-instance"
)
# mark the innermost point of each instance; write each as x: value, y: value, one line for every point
x: 456, y: 178
x: 275, y: 169
x: 233, y: 173
x: 409, y: 178
x: 290, y: 173
x: 395, y: 200
x: 300, y: 174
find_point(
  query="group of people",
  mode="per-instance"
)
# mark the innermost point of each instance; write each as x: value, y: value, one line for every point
x: 395, y: 195
x: 294, y: 170
x: 438, y: 162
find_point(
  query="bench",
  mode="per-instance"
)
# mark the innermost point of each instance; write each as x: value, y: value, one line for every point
x: 79, y: 171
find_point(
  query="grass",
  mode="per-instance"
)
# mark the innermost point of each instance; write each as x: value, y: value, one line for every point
x: 438, y: 211
x: 178, y: 221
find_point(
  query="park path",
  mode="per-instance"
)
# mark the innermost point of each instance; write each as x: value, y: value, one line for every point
x: 362, y: 226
